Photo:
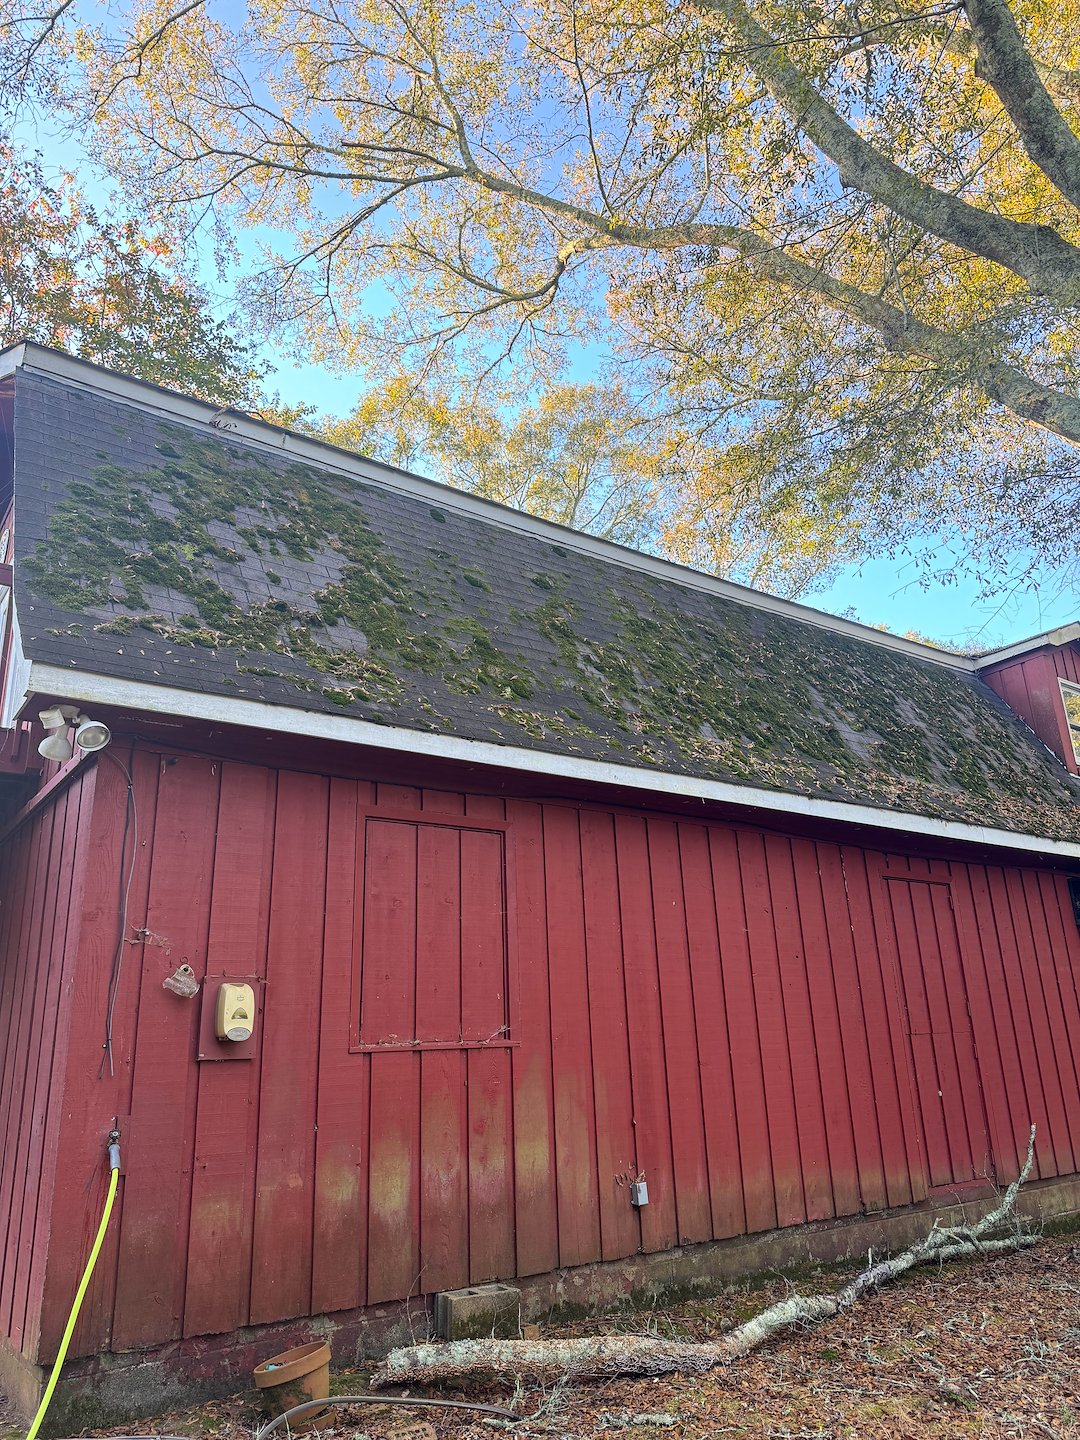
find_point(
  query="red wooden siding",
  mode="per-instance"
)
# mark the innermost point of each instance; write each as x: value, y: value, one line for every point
x: 1029, y: 684
x: 937, y: 1023
x: 40, y: 896
x: 477, y: 1016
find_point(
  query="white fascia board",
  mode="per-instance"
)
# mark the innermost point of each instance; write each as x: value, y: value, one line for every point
x: 18, y: 682
x: 146, y: 396
x: 88, y: 689
x: 12, y: 358
x: 1063, y: 635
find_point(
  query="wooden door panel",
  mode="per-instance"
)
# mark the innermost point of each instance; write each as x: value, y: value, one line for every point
x: 931, y: 1111
x: 948, y: 1088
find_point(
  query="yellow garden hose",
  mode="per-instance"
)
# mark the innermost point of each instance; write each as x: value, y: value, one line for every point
x: 61, y: 1356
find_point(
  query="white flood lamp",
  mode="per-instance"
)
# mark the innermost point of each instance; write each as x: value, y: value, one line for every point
x: 91, y: 734
x: 56, y: 745
x: 56, y: 720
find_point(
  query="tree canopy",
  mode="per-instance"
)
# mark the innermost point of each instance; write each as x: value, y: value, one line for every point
x: 101, y: 289
x: 836, y: 245
x: 571, y: 457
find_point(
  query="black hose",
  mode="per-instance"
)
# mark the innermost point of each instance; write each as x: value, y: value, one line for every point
x: 349, y: 1400
x: 268, y: 1430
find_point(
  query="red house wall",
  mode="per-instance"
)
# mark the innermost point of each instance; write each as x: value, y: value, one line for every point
x: 41, y: 872
x: 774, y: 1029
x: 1029, y: 684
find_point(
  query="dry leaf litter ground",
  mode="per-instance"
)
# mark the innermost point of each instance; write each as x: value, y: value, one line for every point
x: 986, y: 1348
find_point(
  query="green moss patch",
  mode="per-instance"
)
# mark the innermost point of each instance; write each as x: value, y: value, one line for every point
x: 556, y: 649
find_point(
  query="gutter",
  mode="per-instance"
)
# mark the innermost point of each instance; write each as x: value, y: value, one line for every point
x: 1063, y: 635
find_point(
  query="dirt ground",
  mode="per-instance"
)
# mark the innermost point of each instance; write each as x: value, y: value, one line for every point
x: 989, y: 1349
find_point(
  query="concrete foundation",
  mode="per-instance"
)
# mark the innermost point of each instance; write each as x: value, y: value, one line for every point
x: 112, y: 1389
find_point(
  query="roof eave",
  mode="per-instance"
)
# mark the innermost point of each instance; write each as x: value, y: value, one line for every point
x: 1048, y: 639
x: 91, y: 689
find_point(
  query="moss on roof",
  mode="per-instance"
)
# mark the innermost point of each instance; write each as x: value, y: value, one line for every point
x: 187, y: 557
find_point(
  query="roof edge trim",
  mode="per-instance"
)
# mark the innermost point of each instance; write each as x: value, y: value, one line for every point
x: 240, y: 426
x: 1063, y: 635
x: 83, y: 686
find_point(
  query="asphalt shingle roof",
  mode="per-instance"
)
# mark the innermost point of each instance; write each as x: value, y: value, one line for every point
x: 171, y: 553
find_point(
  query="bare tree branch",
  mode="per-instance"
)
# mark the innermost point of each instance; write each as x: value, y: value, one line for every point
x: 18, y: 74
x: 608, y: 1355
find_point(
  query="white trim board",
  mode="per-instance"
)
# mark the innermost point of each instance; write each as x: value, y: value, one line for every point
x: 239, y: 426
x: 18, y: 682
x: 1063, y: 635
x: 90, y: 689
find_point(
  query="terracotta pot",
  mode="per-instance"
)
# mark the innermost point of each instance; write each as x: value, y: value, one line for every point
x: 291, y: 1378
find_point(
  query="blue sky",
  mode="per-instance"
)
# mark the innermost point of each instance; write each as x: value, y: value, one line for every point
x: 891, y: 592
x: 888, y: 592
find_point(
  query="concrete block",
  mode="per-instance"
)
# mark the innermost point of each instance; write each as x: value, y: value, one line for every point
x: 479, y: 1311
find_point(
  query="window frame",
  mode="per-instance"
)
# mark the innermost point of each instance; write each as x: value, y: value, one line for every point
x: 1067, y: 688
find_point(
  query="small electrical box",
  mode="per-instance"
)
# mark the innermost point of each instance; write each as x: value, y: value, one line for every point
x: 220, y: 1025
x: 234, y: 1013
x: 639, y: 1192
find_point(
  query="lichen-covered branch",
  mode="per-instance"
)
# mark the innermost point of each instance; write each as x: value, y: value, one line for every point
x: 1037, y: 253
x: 1007, y: 66
x: 603, y: 1356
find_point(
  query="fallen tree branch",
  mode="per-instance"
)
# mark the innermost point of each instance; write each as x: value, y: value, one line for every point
x: 604, y: 1356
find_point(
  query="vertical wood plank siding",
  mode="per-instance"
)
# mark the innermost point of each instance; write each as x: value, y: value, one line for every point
x: 477, y: 1017
x: 40, y: 899
x: 1029, y: 684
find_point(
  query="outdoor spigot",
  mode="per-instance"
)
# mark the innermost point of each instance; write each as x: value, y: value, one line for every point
x: 114, y: 1149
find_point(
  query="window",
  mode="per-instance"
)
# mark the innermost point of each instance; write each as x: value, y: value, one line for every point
x: 1070, y: 694
x: 432, y: 932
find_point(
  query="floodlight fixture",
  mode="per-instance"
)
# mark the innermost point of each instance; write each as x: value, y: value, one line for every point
x: 91, y: 735
x: 58, y: 744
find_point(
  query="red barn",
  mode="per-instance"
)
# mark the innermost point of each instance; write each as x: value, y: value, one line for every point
x: 549, y: 864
